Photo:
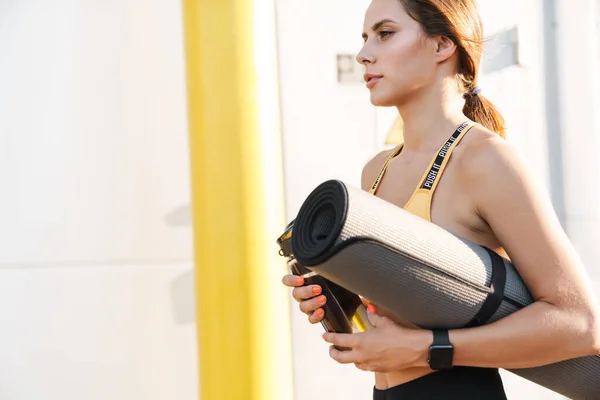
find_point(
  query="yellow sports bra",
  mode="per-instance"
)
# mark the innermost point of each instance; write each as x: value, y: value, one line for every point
x: 420, y: 202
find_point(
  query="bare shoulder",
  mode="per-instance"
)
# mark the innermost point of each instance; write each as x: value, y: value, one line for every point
x: 486, y: 156
x: 372, y: 168
x: 496, y: 177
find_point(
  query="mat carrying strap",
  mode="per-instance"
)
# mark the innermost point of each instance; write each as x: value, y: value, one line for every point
x: 496, y: 294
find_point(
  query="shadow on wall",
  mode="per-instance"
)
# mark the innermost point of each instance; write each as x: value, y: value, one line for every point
x: 181, y: 216
x: 183, y: 300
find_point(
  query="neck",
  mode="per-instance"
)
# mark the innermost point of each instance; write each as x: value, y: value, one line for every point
x: 431, y: 117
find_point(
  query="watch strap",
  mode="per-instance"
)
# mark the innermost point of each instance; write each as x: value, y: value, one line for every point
x: 441, y: 337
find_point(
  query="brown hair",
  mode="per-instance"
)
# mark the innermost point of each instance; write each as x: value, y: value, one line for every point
x: 459, y: 21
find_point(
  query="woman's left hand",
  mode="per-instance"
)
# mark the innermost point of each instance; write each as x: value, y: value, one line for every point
x: 387, y: 347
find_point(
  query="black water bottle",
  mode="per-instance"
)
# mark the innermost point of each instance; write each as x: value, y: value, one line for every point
x: 344, y: 310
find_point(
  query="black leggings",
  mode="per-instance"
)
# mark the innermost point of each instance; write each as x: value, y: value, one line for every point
x: 458, y: 383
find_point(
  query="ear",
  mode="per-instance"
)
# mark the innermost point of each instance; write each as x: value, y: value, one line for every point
x: 444, y: 48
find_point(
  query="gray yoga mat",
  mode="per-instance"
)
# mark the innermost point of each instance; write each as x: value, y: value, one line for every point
x: 420, y: 273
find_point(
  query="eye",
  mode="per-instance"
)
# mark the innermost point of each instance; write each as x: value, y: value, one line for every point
x: 385, y: 34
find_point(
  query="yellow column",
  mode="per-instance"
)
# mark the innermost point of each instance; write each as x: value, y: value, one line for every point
x: 237, y: 196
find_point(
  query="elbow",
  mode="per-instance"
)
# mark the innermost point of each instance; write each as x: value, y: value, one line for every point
x: 583, y: 327
x: 590, y: 333
x: 594, y: 337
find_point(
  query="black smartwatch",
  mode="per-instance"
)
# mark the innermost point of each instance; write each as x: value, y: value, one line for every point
x: 441, y: 352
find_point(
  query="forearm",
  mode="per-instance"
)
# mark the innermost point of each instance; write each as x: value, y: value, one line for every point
x: 536, y: 335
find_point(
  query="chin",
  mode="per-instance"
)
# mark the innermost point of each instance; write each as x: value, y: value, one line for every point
x: 381, y: 101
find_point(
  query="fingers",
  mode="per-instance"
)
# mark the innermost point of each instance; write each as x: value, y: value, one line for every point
x: 310, y: 302
x: 317, y: 316
x: 346, y: 356
x: 300, y: 292
x: 307, y: 296
x: 350, y: 340
x: 364, y: 367
x: 312, y: 305
x: 292, y: 280
x: 303, y: 293
x: 312, y: 308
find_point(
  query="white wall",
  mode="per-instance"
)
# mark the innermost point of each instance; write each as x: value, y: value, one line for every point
x: 96, y: 297
x: 331, y: 129
x: 579, y: 69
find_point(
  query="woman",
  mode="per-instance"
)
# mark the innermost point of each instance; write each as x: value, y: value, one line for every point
x: 422, y: 56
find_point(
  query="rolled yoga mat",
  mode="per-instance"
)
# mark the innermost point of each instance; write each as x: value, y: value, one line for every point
x: 420, y: 273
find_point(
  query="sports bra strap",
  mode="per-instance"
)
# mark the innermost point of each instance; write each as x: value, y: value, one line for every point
x: 375, y: 184
x: 429, y: 179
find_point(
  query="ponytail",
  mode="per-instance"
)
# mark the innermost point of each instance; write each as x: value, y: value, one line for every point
x: 460, y: 22
x: 479, y: 109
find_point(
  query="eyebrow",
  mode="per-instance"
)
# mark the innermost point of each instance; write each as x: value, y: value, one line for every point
x: 378, y: 25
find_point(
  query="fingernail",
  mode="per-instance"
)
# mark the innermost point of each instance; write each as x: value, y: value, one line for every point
x: 299, y: 280
x: 320, y: 312
x: 371, y: 308
x: 321, y: 299
x: 316, y: 289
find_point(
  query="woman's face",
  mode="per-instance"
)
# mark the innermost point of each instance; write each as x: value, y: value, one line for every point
x: 398, y: 56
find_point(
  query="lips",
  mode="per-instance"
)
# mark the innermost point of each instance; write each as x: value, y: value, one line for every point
x: 372, y: 79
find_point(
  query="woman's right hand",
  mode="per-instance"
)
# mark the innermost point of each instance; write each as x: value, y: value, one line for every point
x: 309, y: 297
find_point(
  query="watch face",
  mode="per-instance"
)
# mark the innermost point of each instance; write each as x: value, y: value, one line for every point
x: 441, y: 356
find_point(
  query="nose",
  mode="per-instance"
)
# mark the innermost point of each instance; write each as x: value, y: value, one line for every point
x: 365, y: 57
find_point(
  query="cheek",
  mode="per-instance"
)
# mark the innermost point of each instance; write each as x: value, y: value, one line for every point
x: 406, y: 64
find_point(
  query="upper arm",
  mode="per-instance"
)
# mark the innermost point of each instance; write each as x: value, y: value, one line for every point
x: 522, y: 218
